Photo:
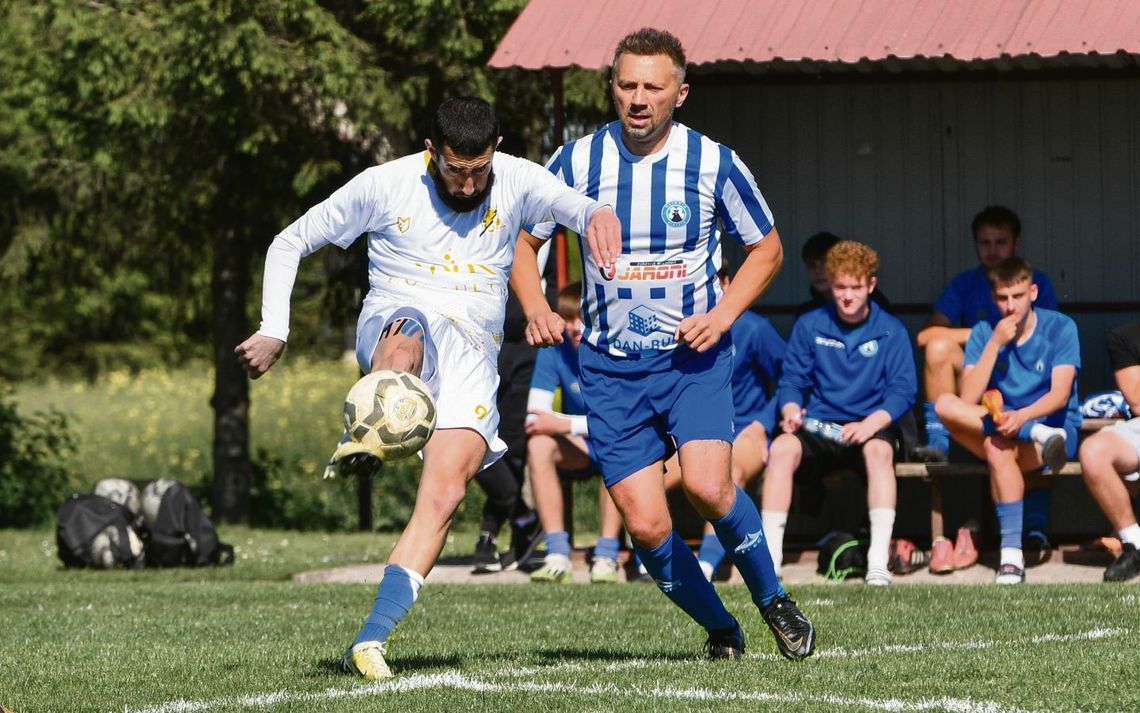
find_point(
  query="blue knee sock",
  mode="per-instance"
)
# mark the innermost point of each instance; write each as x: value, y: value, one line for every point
x: 675, y: 569
x: 1009, y: 521
x: 711, y: 550
x: 1038, y: 505
x: 742, y: 534
x: 394, y: 597
x: 936, y: 434
x: 558, y: 543
x: 606, y: 547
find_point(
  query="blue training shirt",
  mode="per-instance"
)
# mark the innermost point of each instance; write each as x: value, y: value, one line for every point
x: 1024, y: 372
x: 756, y: 367
x: 557, y: 366
x: 672, y: 206
x: 968, y: 298
x: 848, y: 372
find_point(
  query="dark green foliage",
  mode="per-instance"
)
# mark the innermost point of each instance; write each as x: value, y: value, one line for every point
x: 34, y: 473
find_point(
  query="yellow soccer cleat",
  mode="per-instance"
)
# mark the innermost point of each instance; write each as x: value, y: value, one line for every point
x: 366, y: 660
x: 555, y: 569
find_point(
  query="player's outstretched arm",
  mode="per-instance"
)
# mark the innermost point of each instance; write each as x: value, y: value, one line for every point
x: 258, y: 353
x: 544, y: 326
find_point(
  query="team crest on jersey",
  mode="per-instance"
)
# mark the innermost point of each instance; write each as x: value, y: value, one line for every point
x: 403, y: 223
x: 869, y: 349
x: 1039, y: 367
x: 676, y: 214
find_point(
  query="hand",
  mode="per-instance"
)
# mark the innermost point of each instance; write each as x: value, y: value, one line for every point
x: 701, y: 331
x: 857, y: 433
x: 1005, y: 331
x: 258, y: 353
x: 545, y: 329
x: 791, y: 417
x: 603, y: 235
x: 545, y: 423
x: 1010, y: 423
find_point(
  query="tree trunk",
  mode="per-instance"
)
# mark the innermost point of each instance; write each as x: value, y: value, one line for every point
x: 233, y: 470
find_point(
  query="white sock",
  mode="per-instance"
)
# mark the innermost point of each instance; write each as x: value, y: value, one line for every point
x: 774, y: 524
x: 1013, y: 555
x: 1040, y: 433
x: 882, y: 523
x: 1131, y: 535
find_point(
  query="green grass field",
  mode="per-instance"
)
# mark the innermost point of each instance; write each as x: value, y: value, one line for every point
x: 246, y: 638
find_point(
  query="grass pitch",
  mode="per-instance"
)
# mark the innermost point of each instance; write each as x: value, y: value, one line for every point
x: 243, y: 639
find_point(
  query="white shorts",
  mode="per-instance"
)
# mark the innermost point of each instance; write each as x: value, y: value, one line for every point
x: 462, y: 375
x: 1130, y: 431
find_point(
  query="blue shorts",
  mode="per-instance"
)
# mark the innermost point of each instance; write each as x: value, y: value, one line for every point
x: 637, y: 408
x: 1071, y: 435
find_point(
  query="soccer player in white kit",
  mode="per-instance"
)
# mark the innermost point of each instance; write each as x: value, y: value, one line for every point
x: 656, y: 357
x: 441, y: 227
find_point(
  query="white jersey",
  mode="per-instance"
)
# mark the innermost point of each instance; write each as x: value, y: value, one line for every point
x: 673, y: 205
x: 420, y: 252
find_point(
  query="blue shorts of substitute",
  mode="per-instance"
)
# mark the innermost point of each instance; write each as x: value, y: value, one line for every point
x: 639, y: 409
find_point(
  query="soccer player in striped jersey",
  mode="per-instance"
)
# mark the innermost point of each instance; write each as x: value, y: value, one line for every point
x: 441, y: 227
x: 656, y: 357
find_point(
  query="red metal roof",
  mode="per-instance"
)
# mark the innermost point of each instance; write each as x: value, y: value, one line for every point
x: 561, y: 33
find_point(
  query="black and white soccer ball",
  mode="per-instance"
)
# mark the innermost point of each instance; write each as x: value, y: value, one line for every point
x: 121, y: 491
x: 391, y: 413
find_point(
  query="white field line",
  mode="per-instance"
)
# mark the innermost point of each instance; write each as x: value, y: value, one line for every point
x: 458, y: 681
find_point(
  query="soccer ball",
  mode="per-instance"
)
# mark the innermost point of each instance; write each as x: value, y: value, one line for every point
x: 391, y: 413
x: 105, y: 544
x: 121, y: 491
x: 152, y: 498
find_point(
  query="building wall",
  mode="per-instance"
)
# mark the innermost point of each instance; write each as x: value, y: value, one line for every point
x: 904, y: 166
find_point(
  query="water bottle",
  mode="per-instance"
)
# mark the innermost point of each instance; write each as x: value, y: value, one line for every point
x: 824, y: 429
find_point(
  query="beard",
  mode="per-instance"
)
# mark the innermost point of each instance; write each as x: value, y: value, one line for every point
x: 460, y: 204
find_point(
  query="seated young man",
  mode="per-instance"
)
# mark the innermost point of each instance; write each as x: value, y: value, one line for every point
x: 1031, y: 357
x: 559, y: 445
x: 1110, y: 459
x: 854, y: 364
x: 963, y: 303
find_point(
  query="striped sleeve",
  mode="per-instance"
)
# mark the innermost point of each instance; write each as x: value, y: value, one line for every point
x: 743, y: 212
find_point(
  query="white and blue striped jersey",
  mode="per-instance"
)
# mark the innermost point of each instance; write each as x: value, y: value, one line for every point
x: 673, y: 206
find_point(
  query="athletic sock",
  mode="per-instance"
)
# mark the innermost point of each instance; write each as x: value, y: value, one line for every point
x: 882, y: 523
x: 1038, y: 505
x: 1130, y: 535
x: 937, y: 436
x: 394, y: 597
x: 1039, y: 432
x: 607, y: 547
x: 675, y: 569
x: 558, y: 543
x: 774, y: 524
x: 711, y: 550
x: 1010, y: 516
x: 742, y: 534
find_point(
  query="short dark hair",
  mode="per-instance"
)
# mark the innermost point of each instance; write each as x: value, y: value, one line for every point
x: 647, y: 42
x: 1010, y: 271
x: 817, y: 246
x: 570, y: 301
x: 997, y: 216
x: 468, y: 125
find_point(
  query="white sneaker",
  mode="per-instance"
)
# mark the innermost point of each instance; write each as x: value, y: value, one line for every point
x: 707, y: 569
x: 366, y: 659
x: 604, y: 571
x: 1052, y: 442
x: 877, y: 577
x: 351, y: 458
x: 555, y: 569
x: 1010, y: 574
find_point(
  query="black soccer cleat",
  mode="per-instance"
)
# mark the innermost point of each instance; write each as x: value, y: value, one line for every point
x: 1126, y: 566
x: 363, y: 465
x: 795, y: 636
x: 486, y: 559
x: 725, y: 643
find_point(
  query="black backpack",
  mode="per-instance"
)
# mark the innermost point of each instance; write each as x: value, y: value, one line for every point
x: 82, y: 519
x: 181, y: 534
x: 842, y: 555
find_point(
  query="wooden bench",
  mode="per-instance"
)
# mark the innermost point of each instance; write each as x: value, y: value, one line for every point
x: 934, y: 473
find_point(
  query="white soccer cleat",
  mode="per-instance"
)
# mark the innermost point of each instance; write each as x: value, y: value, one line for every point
x: 366, y: 660
x: 352, y: 458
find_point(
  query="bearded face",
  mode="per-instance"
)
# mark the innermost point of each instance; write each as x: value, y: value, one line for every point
x: 462, y: 182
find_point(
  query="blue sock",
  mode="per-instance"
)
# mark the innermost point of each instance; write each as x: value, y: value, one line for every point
x: 675, y: 569
x: 637, y: 561
x: 711, y: 550
x: 607, y: 547
x: 742, y: 534
x: 558, y: 543
x: 1009, y: 520
x: 1038, y: 506
x: 936, y: 434
x: 394, y: 597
